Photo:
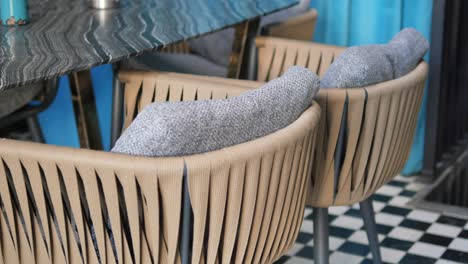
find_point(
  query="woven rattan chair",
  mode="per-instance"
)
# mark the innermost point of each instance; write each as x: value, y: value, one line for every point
x: 365, y: 134
x: 246, y: 202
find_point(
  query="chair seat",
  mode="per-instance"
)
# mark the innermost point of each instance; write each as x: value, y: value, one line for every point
x: 174, y: 62
x: 15, y: 98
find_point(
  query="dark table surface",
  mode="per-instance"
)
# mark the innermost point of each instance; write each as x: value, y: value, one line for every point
x: 66, y: 35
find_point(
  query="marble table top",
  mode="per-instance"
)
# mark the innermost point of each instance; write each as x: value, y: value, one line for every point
x: 66, y: 35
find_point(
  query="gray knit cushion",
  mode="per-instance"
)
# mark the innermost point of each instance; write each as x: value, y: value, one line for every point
x: 185, y: 128
x: 365, y: 65
x: 406, y: 50
x: 357, y: 67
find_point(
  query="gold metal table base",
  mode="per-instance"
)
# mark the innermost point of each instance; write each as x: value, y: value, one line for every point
x: 84, y: 106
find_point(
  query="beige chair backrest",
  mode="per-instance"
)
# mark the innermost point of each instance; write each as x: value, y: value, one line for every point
x: 64, y: 205
x: 143, y: 88
x: 300, y: 27
x: 380, y: 122
x: 276, y: 55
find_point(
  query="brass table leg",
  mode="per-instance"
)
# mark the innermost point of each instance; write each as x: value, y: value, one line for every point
x: 243, y: 56
x: 84, y: 106
x: 117, y: 106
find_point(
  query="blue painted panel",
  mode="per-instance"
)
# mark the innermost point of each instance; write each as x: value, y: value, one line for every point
x: 58, y: 121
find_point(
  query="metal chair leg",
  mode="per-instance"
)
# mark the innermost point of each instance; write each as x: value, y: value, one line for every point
x: 321, y: 250
x: 35, y: 129
x: 367, y: 213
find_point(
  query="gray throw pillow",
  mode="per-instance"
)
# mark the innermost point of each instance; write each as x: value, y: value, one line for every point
x: 357, y: 67
x: 186, y: 128
x: 365, y: 65
x: 406, y: 50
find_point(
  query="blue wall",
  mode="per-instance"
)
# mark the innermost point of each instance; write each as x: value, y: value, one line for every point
x: 58, y: 122
x: 358, y: 22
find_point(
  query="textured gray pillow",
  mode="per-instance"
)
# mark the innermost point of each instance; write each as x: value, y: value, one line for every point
x: 406, y: 50
x: 185, y: 128
x: 365, y: 65
x: 357, y: 67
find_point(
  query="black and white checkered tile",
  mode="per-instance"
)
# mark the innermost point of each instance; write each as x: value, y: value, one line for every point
x: 406, y: 235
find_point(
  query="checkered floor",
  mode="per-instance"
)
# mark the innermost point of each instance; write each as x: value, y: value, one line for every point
x: 406, y: 235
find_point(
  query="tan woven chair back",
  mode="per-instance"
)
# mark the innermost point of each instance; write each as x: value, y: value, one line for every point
x: 380, y: 122
x: 276, y: 55
x: 143, y: 88
x: 64, y: 205
x: 300, y: 27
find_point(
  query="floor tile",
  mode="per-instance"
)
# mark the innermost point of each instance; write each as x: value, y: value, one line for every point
x: 360, y: 236
x: 407, y: 193
x: 398, y: 244
x: 282, y: 260
x: 384, y: 229
x: 436, y: 239
x: 388, y: 219
x: 295, y: 248
x: 455, y: 255
x: 394, y: 210
x: 413, y: 224
x: 399, y: 201
x: 335, y: 243
x: 427, y: 250
x: 443, y: 261
x: 397, y: 183
x: 348, y: 222
x: 304, y: 237
x: 340, y: 257
x: 354, y: 213
x: 306, y: 252
x: 423, y: 216
x: 443, y: 219
x: 459, y: 244
x: 298, y: 260
x: 340, y: 232
x: 415, y: 186
x: 444, y: 230
x: 463, y: 234
x: 307, y: 226
x: 404, y: 233
x: 391, y: 255
x: 415, y: 259
x: 382, y: 198
x: 354, y: 248
x: 338, y: 210
x: 389, y: 190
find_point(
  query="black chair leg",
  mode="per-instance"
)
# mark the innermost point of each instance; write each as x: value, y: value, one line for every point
x: 35, y: 129
x: 367, y: 213
x: 321, y: 250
